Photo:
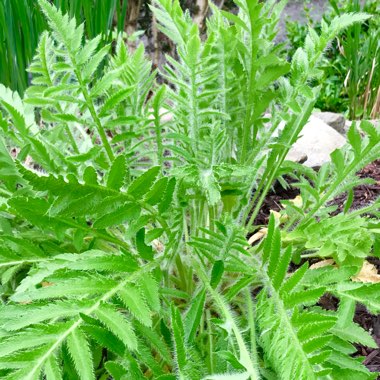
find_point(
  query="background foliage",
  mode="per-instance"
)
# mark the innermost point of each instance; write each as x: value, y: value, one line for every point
x: 351, y: 64
x: 22, y: 22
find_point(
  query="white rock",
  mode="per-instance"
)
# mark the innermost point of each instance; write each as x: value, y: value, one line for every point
x: 347, y: 125
x: 317, y: 141
x: 334, y: 120
x: 296, y: 155
x: 375, y: 122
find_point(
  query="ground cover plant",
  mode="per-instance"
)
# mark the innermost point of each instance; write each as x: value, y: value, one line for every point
x: 124, y: 250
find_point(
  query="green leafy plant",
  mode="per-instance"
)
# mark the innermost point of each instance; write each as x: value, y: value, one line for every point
x: 350, y: 66
x: 361, y: 51
x: 124, y: 231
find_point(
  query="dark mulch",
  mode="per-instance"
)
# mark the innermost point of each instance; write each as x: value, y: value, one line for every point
x: 273, y: 202
x: 372, y: 324
x: 363, y: 195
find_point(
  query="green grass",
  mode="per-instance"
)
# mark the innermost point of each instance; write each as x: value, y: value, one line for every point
x: 21, y: 23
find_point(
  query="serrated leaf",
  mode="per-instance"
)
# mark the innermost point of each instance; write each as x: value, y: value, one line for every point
x: 134, y: 300
x: 142, y: 184
x: 116, y: 370
x: 88, y: 50
x: 154, y: 195
x: 149, y: 287
x: 168, y: 196
x: 91, y: 66
x: 125, y: 213
x: 144, y: 250
x: 179, y: 338
x: 118, y: 324
x: 354, y: 139
x: 115, y: 99
x: 193, y: 315
x: 52, y: 369
x: 80, y: 352
x: 118, y: 172
x: 216, y: 273
x: 105, y: 338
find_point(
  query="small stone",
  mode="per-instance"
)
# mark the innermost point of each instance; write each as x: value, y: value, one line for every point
x: 334, y: 120
x: 374, y: 122
x: 296, y: 155
x: 317, y: 141
x: 347, y: 126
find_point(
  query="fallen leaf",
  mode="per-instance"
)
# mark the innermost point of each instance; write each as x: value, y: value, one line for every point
x: 157, y: 245
x: 258, y: 235
x: 368, y: 274
x: 279, y: 218
x: 323, y: 263
x: 297, y: 201
x: 44, y: 284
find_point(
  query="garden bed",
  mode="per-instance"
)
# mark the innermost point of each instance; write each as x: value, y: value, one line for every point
x: 363, y: 195
x: 124, y: 201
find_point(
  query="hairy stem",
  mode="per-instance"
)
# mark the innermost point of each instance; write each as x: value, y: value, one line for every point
x: 245, y: 355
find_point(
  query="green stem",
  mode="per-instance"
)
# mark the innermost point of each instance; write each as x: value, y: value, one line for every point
x: 251, y: 323
x: 251, y: 93
x: 271, y: 172
x: 330, y: 192
x: 94, y: 115
x: 160, y: 149
x: 210, y: 344
x: 245, y: 355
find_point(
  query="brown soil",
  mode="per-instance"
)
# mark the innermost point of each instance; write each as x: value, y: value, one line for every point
x: 363, y: 195
x: 371, y: 323
x: 273, y: 202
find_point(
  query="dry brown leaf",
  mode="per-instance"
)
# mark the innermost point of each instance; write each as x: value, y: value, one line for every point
x: 297, y: 201
x: 158, y: 246
x: 44, y: 284
x: 368, y: 274
x: 323, y: 263
x: 276, y: 214
x: 278, y: 217
x: 258, y: 235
